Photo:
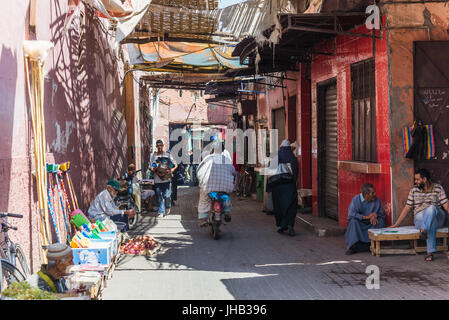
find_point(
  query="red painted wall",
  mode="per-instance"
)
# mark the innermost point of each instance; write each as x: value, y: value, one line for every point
x: 303, y: 130
x: 350, y: 50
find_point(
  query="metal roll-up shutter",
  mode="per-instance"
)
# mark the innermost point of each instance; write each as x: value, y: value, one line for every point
x: 331, y: 143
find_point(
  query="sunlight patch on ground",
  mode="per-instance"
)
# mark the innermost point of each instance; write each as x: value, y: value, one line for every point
x: 305, y: 263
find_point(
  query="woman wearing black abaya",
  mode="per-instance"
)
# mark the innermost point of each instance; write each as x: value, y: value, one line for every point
x: 284, y: 191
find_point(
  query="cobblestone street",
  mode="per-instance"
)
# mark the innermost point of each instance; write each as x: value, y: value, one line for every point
x: 253, y: 261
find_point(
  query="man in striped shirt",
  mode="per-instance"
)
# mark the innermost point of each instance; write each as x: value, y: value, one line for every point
x: 426, y: 200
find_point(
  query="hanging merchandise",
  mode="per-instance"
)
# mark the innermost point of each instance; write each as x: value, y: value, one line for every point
x: 66, y: 198
x: 418, y: 141
x: 35, y: 53
x: 51, y: 202
x: 59, y: 190
x: 66, y: 169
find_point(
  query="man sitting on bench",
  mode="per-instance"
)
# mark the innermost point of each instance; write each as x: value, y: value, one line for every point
x: 426, y: 200
x: 365, y: 212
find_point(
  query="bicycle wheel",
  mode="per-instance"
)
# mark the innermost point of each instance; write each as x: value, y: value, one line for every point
x: 22, y: 264
x: 9, y: 274
x: 3, y: 254
x: 132, y: 223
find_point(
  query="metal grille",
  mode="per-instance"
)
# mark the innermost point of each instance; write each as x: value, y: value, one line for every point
x: 331, y: 153
x: 364, y: 142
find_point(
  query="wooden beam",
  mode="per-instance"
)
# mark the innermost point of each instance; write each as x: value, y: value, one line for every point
x: 129, y: 114
x: 33, y: 4
x: 171, y: 39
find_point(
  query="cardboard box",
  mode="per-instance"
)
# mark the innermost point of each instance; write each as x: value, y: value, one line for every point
x: 110, y: 243
x: 99, y: 252
x: 111, y: 235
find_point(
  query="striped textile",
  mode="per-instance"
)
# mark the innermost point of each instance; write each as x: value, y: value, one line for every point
x: 407, y: 140
x: 419, y: 200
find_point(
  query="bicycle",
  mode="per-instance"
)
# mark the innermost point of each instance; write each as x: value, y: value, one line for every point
x: 10, y: 253
x: 125, y: 199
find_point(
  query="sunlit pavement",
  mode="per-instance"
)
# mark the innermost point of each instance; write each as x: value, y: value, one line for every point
x: 253, y: 261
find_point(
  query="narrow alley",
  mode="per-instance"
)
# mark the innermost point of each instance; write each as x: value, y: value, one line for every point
x: 253, y: 261
x: 123, y: 122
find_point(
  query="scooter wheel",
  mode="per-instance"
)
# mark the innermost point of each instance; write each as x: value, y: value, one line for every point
x: 216, y: 230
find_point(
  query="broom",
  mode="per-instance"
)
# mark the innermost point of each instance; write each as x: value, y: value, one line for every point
x: 63, y: 208
x: 50, y: 204
x: 35, y: 53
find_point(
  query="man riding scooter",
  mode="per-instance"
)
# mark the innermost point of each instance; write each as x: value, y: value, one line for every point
x: 215, y: 174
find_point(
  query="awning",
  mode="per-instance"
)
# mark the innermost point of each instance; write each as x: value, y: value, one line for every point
x: 300, y: 34
x: 183, y: 57
x: 125, y: 13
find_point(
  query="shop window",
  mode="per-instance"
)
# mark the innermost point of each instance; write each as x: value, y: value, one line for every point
x: 363, y: 97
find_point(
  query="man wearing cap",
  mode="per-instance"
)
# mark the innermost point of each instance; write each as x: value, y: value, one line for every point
x: 51, y: 276
x: 104, y: 206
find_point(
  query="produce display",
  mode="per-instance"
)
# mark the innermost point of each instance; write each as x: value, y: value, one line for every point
x: 141, y: 245
x: 23, y: 291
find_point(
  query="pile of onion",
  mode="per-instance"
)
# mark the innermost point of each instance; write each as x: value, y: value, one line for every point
x: 140, y: 245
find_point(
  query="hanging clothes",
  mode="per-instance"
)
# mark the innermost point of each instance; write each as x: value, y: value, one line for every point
x: 418, y: 141
x: 418, y: 150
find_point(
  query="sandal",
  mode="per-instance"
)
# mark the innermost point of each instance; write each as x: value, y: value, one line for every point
x: 429, y: 257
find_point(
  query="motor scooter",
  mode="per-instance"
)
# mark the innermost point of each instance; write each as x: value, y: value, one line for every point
x: 216, y: 212
x: 125, y: 199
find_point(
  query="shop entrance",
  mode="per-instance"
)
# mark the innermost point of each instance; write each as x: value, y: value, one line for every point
x: 431, y: 97
x: 278, y: 121
x: 327, y: 150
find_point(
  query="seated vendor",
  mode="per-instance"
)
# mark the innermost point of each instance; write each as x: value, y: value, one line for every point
x: 427, y: 200
x: 51, y: 276
x: 104, y: 206
x: 365, y: 212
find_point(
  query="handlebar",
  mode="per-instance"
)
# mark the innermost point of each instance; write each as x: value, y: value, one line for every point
x: 12, y: 215
x: 129, y: 177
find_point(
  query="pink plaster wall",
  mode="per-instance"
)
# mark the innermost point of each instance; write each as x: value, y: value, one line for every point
x: 83, y: 109
x: 175, y: 109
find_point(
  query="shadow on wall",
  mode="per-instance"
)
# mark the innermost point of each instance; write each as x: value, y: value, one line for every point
x: 85, y: 123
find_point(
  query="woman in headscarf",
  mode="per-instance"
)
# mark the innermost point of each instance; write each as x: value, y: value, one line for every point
x: 284, y: 192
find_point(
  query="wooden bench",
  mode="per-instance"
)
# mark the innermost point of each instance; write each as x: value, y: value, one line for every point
x: 411, y: 234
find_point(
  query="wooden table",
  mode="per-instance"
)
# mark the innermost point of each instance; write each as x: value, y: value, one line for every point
x: 377, y: 238
x: 404, y: 233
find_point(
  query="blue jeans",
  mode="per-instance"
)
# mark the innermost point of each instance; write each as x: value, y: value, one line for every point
x: 430, y: 219
x: 163, y: 194
x: 122, y: 224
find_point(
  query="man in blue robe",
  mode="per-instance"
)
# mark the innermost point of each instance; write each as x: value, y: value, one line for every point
x: 365, y: 212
